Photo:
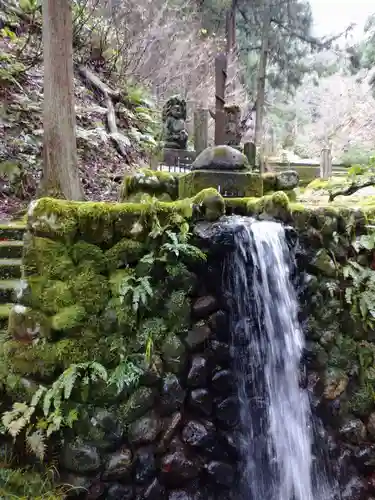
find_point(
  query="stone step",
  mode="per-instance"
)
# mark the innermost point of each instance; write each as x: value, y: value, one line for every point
x: 4, y: 315
x: 11, y: 231
x: 10, y: 268
x: 8, y: 290
x: 11, y: 249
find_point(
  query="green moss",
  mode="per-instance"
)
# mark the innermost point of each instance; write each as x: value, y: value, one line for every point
x: 362, y: 401
x: 153, y: 182
x: 55, y: 296
x: 90, y: 290
x: 136, y: 406
x: 269, y: 182
x: 211, y: 204
x: 27, y: 324
x: 53, y: 218
x: 87, y: 255
x: 118, y: 317
x: 244, y: 183
x: 47, y: 360
x: 125, y: 252
x: 46, y: 258
x: 68, y: 318
x: 177, y: 311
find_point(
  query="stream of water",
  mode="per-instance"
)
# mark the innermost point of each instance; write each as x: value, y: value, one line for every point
x: 267, y: 343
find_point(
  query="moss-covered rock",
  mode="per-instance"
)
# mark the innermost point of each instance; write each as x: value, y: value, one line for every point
x: 55, y: 295
x: 152, y: 182
x: 68, y: 318
x: 137, y: 405
x: 90, y: 290
x: 238, y: 184
x: 210, y: 203
x: 88, y: 255
x: 47, y: 258
x: 125, y: 252
x: 27, y: 325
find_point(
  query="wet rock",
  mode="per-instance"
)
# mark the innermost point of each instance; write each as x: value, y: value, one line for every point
x: 170, y: 428
x: 323, y: 264
x: 174, y: 353
x: 79, y: 484
x: 120, y: 492
x: 104, y: 430
x: 289, y: 179
x: 371, y: 425
x: 315, y: 356
x: 172, y: 394
x: 198, y: 373
x: 204, y: 306
x: 96, y: 491
x: 118, y: 466
x: 223, y: 381
x: 137, y: 405
x: 145, y: 466
x: 354, y: 489
x: 197, y: 434
x: 227, y: 412
x: 153, y: 371
x: 230, y: 442
x: 177, y: 468
x: 155, y: 491
x: 220, y: 472
x: 353, y: 431
x: 219, y: 351
x: 197, y: 335
x: 219, y: 324
x: 364, y: 458
x: 145, y: 430
x: 335, y: 384
x: 80, y: 458
x: 201, y: 400
x: 182, y: 495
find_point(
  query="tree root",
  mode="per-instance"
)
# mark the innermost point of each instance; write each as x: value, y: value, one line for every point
x: 108, y: 96
x: 352, y: 188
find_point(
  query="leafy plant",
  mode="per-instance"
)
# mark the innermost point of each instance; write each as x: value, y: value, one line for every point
x: 139, y: 288
x: 50, y: 403
x: 178, y: 246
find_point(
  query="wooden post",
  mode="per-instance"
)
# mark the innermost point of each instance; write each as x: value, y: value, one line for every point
x: 220, y: 80
x: 200, y: 130
x: 325, y: 163
x: 249, y: 150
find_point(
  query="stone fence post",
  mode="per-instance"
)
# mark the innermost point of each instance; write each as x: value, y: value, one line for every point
x: 325, y: 163
x: 200, y: 130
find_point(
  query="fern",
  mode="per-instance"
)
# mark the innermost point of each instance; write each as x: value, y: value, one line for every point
x: 50, y: 402
x: 126, y: 375
x: 181, y: 248
x: 139, y: 289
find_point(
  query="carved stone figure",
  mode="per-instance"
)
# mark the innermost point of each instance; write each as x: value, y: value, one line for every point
x: 174, y: 117
x: 232, y: 125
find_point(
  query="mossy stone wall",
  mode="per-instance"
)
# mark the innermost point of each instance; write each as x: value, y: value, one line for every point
x: 168, y: 432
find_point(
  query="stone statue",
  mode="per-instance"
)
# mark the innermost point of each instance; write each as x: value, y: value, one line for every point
x: 174, y: 116
x: 232, y: 125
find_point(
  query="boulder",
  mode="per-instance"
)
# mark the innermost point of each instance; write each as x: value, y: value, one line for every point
x: 220, y: 158
x: 287, y: 180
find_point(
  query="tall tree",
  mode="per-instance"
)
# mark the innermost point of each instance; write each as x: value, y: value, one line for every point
x: 60, y: 169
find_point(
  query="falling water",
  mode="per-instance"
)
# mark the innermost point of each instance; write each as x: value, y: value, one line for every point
x: 267, y: 342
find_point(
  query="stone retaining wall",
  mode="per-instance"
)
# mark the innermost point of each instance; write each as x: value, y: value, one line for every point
x: 155, y: 419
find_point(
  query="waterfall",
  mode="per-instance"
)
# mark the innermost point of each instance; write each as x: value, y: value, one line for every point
x: 276, y: 432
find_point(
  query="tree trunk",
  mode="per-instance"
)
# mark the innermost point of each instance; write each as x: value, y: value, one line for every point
x: 261, y: 77
x: 60, y: 169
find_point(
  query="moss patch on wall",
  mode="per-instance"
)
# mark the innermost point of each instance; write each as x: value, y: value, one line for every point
x: 233, y: 183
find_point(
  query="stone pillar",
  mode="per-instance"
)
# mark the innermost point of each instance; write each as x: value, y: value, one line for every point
x: 200, y: 130
x: 325, y: 163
